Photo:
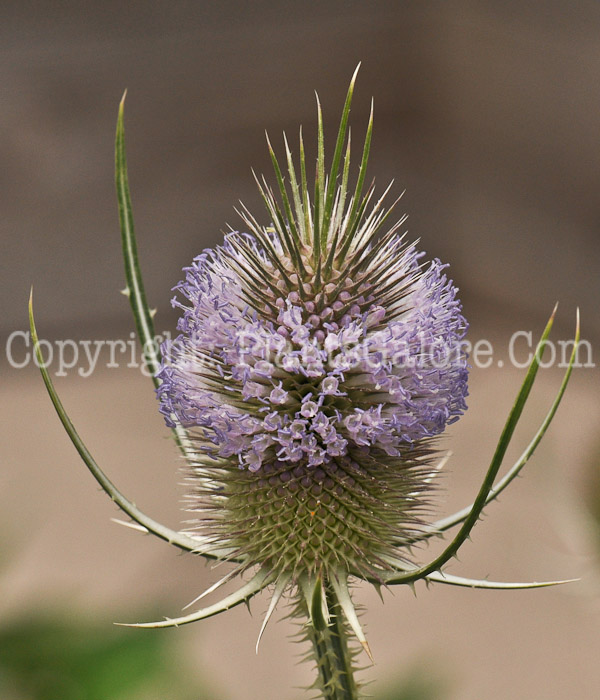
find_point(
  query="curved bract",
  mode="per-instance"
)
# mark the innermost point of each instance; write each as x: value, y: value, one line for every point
x: 318, y: 359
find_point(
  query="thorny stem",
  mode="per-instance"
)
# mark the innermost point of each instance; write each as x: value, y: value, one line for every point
x: 332, y: 654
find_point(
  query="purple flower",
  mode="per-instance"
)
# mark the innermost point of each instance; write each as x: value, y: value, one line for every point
x: 318, y: 357
x: 378, y: 356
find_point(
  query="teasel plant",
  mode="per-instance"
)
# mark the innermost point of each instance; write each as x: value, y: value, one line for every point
x: 319, y: 360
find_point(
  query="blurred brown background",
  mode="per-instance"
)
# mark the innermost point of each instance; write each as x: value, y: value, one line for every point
x: 488, y: 114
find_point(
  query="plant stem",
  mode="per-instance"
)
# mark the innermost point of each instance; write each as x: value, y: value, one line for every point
x: 332, y: 654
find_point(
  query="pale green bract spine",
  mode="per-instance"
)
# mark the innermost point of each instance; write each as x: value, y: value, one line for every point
x: 307, y: 523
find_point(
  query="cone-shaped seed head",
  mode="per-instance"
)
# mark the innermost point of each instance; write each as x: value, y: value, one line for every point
x: 317, y: 359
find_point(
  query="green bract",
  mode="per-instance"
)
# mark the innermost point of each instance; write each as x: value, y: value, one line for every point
x: 308, y: 524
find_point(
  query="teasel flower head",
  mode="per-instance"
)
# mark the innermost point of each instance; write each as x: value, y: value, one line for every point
x: 320, y: 356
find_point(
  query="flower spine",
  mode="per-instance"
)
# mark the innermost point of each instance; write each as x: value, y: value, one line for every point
x: 319, y: 357
x: 317, y: 361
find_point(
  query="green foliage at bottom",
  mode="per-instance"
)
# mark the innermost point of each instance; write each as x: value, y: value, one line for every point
x: 417, y: 684
x: 52, y: 659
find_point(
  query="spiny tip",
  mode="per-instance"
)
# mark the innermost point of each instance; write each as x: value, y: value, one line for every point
x: 365, y: 646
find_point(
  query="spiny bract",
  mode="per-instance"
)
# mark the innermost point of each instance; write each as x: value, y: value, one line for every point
x: 317, y: 362
x: 318, y: 357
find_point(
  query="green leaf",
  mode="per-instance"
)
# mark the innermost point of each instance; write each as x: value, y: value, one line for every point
x: 355, y: 214
x: 443, y: 577
x: 460, y: 516
x: 135, y: 285
x: 284, y: 196
x: 319, y: 613
x: 260, y: 580
x: 171, y: 536
x: 304, y: 188
x: 340, y: 587
x: 337, y: 156
x: 142, y: 314
x: 488, y: 482
x: 295, y: 192
x: 320, y: 179
x: 314, y: 597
